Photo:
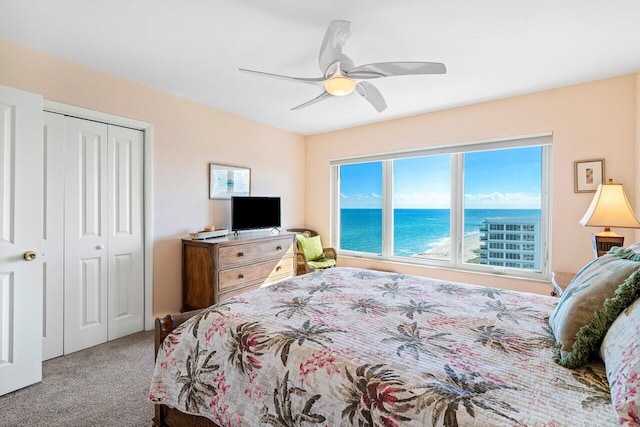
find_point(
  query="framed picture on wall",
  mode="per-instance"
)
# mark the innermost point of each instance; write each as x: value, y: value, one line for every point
x: 226, y: 181
x: 588, y: 175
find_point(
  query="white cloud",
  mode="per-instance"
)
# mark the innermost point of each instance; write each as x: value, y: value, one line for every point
x: 360, y: 201
x: 497, y: 200
x: 422, y: 201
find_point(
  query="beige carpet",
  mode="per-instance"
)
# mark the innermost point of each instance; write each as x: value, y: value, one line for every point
x: 105, y: 385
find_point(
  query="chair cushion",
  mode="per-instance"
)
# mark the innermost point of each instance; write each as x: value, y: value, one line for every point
x: 321, y: 263
x: 310, y: 246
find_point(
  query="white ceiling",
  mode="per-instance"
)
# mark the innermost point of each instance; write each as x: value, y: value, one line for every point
x: 193, y: 48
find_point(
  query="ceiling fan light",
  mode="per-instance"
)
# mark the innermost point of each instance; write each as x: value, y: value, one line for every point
x: 339, y: 86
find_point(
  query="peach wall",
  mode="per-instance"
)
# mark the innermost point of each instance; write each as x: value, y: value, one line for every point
x: 593, y: 120
x: 588, y: 121
x: 186, y: 137
x: 636, y: 207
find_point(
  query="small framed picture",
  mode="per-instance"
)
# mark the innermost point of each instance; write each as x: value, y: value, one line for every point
x: 226, y: 181
x: 588, y: 175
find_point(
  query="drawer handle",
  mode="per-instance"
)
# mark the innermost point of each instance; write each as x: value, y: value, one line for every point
x: 240, y: 276
x: 240, y: 253
x: 278, y: 248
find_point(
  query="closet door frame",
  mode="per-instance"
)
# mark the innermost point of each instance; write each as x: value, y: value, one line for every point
x: 147, y: 129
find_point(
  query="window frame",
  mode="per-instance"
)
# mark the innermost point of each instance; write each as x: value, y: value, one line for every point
x: 544, y: 140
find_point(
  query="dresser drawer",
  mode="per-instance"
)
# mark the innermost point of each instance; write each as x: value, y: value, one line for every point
x: 216, y: 269
x: 263, y: 272
x: 249, y: 253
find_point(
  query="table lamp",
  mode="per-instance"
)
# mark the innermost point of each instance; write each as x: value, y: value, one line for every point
x: 609, y: 208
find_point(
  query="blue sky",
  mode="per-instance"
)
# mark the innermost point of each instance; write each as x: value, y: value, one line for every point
x: 501, y: 179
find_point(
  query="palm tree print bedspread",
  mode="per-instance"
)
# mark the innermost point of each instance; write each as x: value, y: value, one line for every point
x: 357, y: 347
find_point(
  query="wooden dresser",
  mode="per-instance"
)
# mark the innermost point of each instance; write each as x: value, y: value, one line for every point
x: 216, y: 269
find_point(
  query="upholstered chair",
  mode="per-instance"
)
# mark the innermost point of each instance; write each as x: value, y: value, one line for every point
x: 311, y: 255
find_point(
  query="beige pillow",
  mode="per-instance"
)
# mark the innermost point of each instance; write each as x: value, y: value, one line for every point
x: 586, y: 295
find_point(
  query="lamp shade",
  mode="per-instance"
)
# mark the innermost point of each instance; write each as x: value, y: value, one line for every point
x: 340, y: 85
x: 610, y: 208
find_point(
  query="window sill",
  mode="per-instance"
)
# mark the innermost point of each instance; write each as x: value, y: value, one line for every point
x: 508, y: 273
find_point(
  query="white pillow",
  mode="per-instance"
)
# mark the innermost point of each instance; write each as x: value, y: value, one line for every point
x: 620, y: 351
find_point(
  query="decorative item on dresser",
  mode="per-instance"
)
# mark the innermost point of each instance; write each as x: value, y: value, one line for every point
x: 216, y: 269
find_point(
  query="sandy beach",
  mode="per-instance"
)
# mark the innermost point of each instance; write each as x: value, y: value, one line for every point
x: 442, y: 251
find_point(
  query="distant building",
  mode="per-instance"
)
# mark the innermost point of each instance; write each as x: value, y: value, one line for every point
x: 510, y: 242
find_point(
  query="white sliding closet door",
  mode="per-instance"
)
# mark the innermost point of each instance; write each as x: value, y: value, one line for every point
x: 104, y: 247
x: 125, y: 228
x: 53, y: 237
x: 85, y: 294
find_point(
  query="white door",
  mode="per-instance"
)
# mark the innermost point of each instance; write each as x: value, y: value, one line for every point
x: 86, y: 269
x: 125, y: 239
x: 20, y: 233
x: 53, y: 237
x: 104, y: 249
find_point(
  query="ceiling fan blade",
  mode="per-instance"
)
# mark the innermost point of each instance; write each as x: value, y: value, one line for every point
x: 312, y: 80
x: 346, y: 64
x: 387, y: 69
x: 331, y: 47
x: 371, y: 94
x: 324, y: 95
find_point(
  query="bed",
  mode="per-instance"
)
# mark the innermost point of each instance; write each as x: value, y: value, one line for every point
x: 347, y: 346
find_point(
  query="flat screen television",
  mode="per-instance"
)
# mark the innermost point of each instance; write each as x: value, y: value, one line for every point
x: 253, y: 213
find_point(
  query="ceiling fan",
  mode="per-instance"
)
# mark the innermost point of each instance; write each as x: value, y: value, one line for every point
x: 342, y: 77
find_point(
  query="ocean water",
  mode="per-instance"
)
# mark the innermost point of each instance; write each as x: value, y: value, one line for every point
x: 415, y: 230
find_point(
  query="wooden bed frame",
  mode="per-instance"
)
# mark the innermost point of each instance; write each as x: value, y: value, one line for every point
x: 164, y: 415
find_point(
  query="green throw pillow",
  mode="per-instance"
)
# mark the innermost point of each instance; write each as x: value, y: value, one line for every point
x: 311, y: 247
x: 593, y: 300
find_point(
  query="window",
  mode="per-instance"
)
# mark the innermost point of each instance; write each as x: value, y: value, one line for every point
x: 421, y: 188
x: 454, y: 206
x: 505, y: 185
x: 361, y: 208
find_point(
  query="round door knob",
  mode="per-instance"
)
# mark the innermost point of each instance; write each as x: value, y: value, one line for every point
x: 29, y: 255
